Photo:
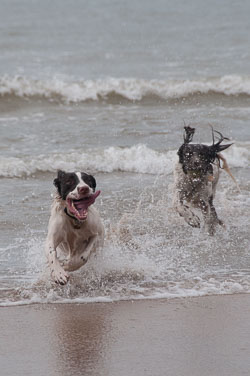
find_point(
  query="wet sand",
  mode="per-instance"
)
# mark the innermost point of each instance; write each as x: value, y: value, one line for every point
x: 208, y: 336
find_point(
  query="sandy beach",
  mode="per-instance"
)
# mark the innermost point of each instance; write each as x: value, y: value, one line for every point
x: 207, y: 336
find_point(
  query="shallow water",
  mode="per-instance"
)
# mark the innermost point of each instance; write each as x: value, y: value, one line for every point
x: 116, y: 108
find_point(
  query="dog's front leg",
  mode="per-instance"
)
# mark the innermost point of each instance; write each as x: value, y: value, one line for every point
x: 57, y: 272
x: 78, y: 260
x: 185, y: 211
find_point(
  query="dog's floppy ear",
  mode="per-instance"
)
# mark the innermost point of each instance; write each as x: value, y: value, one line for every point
x: 216, y: 148
x: 188, y: 137
x: 180, y: 154
x: 222, y: 147
x: 189, y: 134
x: 57, y: 181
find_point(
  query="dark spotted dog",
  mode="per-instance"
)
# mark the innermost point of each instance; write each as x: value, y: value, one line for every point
x: 196, y: 178
x: 75, y: 227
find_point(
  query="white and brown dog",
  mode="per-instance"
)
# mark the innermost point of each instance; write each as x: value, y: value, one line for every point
x: 75, y: 227
x: 196, y: 177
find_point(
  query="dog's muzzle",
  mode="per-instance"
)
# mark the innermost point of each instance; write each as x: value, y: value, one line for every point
x: 79, y: 208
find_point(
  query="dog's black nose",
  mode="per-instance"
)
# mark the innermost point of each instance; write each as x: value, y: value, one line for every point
x: 197, y: 164
x: 83, y: 190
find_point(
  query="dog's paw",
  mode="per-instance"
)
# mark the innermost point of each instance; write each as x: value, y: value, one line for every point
x: 221, y: 223
x: 84, y: 259
x: 191, y: 218
x: 74, y: 263
x: 210, y: 229
x: 194, y: 221
x: 60, y: 276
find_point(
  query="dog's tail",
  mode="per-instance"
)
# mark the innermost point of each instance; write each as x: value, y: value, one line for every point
x: 227, y: 169
x: 188, y: 134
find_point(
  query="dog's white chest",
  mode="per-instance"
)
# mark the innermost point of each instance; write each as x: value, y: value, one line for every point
x: 75, y: 242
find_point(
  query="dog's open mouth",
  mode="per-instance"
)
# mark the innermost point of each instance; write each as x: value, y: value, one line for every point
x: 79, y: 208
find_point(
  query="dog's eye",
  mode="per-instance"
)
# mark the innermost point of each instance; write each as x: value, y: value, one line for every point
x: 189, y: 154
x: 70, y: 181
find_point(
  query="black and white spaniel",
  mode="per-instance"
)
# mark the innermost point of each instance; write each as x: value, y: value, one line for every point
x: 196, y: 177
x: 75, y: 227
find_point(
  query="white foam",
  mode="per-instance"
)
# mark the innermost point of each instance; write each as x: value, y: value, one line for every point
x: 238, y: 155
x: 141, y: 259
x: 137, y: 158
x: 207, y: 289
x: 129, y: 88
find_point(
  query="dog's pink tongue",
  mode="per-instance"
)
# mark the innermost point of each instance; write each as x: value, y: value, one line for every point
x: 83, y: 204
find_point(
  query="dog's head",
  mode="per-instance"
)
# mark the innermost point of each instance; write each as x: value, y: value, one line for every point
x: 197, y: 159
x: 77, y: 189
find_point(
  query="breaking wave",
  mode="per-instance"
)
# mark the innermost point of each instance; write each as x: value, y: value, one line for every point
x: 137, y: 159
x: 115, y: 89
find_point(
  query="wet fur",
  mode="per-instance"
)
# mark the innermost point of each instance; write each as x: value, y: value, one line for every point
x: 196, y: 177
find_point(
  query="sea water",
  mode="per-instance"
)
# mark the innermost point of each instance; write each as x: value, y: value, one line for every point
x: 106, y: 87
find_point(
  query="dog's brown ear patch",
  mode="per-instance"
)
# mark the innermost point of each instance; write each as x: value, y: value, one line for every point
x: 227, y: 169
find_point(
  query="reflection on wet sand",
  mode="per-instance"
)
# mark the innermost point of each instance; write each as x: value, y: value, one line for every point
x: 185, y: 337
x: 79, y: 332
x: 52, y: 340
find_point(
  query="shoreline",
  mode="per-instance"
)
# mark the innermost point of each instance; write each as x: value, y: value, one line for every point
x: 203, y: 336
x: 103, y: 300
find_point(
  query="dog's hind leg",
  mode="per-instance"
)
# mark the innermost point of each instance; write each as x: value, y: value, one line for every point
x: 74, y: 263
x: 210, y: 216
x: 214, y: 214
x: 78, y: 260
x: 205, y: 209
